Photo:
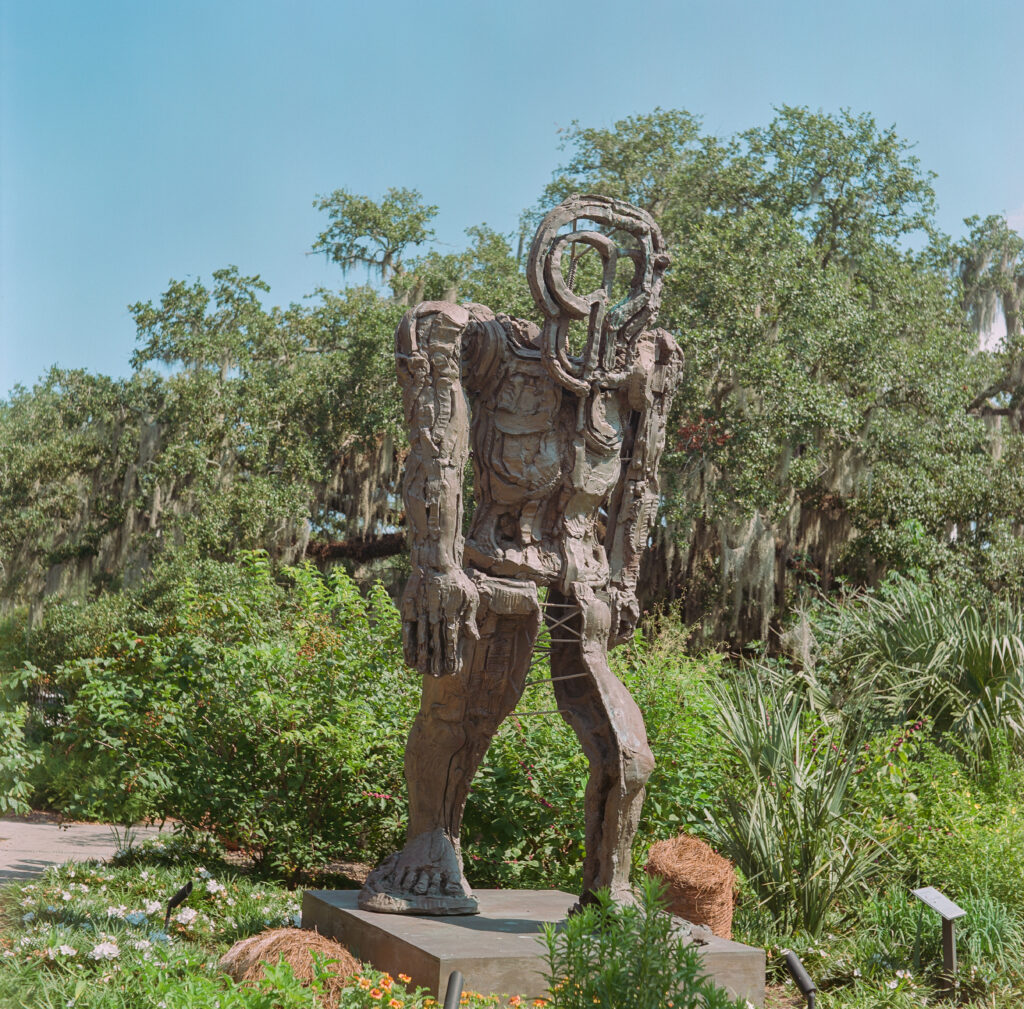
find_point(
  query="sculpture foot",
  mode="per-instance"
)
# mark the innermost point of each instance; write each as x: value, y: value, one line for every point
x: 425, y: 877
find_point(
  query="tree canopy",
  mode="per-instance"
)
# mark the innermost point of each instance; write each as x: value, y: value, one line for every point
x: 841, y: 415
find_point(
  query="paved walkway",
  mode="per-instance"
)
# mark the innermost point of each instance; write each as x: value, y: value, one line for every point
x: 30, y: 844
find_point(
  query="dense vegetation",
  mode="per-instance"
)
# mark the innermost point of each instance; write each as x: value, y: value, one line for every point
x: 193, y: 629
x: 269, y: 710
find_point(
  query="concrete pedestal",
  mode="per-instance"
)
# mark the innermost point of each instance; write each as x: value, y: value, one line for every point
x: 500, y: 950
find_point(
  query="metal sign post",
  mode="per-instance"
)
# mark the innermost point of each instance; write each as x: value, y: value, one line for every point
x: 949, y: 912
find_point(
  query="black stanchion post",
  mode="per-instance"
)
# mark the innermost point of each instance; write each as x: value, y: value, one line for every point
x: 802, y: 978
x: 453, y: 992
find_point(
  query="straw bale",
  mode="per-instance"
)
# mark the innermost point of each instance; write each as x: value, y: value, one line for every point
x: 700, y: 884
x: 245, y: 960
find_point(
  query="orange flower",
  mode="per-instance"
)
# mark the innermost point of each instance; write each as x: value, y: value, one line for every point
x: 364, y: 982
x: 395, y: 1004
x: 404, y: 978
x: 514, y: 1000
x: 376, y: 993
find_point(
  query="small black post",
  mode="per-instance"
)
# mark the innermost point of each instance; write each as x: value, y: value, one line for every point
x: 801, y: 977
x: 453, y: 992
x: 948, y: 955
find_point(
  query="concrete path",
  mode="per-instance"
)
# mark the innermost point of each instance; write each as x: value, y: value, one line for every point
x: 29, y: 844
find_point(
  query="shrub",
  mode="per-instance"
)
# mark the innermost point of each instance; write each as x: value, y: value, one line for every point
x: 626, y: 957
x: 18, y: 758
x: 284, y: 736
x: 965, y: 834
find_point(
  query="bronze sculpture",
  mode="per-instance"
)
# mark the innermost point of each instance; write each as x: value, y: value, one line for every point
x: 565, y: 456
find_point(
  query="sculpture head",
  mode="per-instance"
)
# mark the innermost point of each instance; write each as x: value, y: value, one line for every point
x: 612, y: 330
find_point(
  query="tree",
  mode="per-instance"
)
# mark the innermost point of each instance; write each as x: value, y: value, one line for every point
x: 374, y: 234
x: 827, y: 365
x: 990, y: 266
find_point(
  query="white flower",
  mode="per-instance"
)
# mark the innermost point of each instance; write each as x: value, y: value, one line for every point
x: 202, y: 873
x: 215, y: 888
x: 891, y: 984
x: 144, y: 874
x: 64, y: 895
x: 66, y: 950
x: 186, y: 915
x: 856, y: 971
x: 153, y: 907
x: 904, y: 974
x: 116, y: 912
x: 105, y: 951
x: 143, y: 944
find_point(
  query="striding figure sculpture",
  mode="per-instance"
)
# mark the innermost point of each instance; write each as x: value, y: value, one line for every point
x: 565, y: 450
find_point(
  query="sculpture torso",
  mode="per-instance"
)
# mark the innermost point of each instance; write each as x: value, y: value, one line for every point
x: 540, y: 482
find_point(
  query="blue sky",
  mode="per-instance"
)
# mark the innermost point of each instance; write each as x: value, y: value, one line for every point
x: 141, y: 141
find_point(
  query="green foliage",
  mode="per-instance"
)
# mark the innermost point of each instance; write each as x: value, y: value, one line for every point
x: 374, y: 234
x: 273, y: 717
x: 920, y: 651
x: 963, y: 833
x: 626, y: 957
x: 94, y: 934
x: 16, y: 760
x: 786, y: 818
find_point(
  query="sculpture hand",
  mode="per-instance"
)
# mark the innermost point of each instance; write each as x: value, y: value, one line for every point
x: 625, y: 615
x: 436, y: 607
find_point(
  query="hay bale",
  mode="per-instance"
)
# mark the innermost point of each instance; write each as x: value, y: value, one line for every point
x: 245, y: 960
x: 700, y: 884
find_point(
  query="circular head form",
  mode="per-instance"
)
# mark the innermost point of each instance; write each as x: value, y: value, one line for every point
x: 609, y: 328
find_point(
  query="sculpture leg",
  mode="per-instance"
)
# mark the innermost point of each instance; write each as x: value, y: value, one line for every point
x: 611, y: 730
x: 458, y: 717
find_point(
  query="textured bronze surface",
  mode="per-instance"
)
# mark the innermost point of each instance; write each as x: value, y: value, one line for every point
x: 565, y: 452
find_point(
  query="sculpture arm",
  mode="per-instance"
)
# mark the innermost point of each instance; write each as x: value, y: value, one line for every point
x: 440, y: 600
x: 634, y: 506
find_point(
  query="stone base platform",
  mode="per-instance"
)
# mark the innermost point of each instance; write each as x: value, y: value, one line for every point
x: 500, y: 950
